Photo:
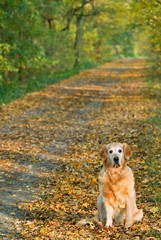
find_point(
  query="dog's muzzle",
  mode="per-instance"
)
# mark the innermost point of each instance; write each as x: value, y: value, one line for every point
x: 116, y: 162
x: 116, y: 159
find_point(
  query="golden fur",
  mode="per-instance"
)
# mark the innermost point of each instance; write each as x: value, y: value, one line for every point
x: 117, y: 198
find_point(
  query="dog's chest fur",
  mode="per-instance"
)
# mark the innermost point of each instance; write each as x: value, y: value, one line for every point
x: 115, y: 187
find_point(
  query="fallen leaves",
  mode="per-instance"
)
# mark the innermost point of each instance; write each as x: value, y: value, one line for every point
x: 59, y: 132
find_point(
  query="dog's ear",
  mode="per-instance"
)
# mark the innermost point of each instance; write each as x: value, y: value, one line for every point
x: 103, y: 153
x: 127, y: 151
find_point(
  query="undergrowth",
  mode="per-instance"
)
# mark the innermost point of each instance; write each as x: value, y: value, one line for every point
x: 16, y: 89
x: 154, y: 135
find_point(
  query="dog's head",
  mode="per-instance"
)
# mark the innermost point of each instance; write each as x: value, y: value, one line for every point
x: 115, y: 154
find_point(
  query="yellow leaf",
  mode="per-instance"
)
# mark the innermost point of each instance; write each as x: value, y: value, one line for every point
x: 94, y: 180
x: 145, y: 181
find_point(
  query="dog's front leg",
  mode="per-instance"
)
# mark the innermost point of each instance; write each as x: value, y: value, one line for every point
x: 109, y: 213
x: 129, y: 213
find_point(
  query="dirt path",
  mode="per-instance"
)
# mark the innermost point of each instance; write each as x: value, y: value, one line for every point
x: 49, y: 150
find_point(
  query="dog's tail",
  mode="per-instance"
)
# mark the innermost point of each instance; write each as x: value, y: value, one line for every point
x: 138, y: 215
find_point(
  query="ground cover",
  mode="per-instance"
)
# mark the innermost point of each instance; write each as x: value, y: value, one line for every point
x: 50, y: 142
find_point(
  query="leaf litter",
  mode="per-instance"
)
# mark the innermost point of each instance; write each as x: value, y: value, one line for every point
x: 50, y: 143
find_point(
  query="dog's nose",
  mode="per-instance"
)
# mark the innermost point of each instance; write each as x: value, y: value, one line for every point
x: 116, y: 159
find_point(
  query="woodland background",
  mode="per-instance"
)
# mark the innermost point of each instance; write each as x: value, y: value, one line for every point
x: 43, y: 41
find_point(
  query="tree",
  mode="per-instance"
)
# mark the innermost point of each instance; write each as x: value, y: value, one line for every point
x: 43, y: 37
x: 146, y: 17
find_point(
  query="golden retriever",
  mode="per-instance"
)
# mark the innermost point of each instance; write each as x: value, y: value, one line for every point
x: 117, y: 198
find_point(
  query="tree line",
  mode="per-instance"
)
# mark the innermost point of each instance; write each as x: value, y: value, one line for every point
x: 42, y: 37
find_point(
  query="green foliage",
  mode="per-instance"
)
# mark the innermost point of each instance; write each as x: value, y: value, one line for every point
x: 6, y: 65
x: 16, y: 89
x: 41, y: 38
x: 147, y: 18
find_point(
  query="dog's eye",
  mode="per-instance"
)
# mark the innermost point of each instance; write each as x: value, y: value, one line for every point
x: 120, y: 151
x: 110, y: 151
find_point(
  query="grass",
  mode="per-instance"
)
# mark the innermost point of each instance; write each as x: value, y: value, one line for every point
x: 154, y: 156
x: 16, y: 89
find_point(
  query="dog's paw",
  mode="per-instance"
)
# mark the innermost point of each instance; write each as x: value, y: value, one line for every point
x: 128, y: 225
x: 108, y: 224
x: 138, y: 216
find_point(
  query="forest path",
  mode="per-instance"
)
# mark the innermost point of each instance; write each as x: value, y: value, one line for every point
x: 50, y: 142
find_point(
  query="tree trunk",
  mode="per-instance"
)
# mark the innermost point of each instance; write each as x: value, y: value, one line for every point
x: 78, y: 40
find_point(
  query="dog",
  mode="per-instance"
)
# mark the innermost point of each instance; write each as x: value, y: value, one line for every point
x: 117, y: 198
